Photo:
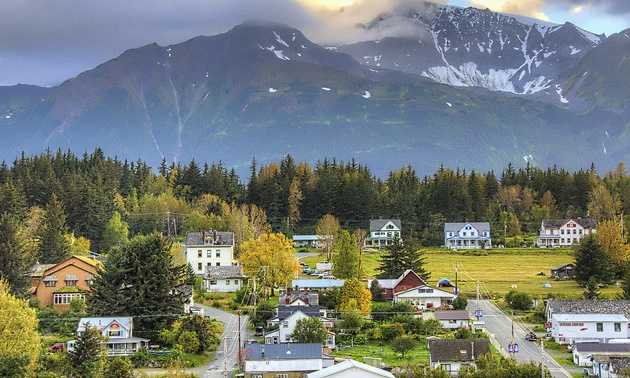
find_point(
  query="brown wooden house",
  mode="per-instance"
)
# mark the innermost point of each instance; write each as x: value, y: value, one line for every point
x: 56, y: 285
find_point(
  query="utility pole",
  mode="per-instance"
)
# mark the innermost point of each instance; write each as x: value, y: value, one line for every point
x: 542, y: 358
x: 255, y: 295
x: 225, y: 372
x: 477, y: 310
x: 512, y: 343
x: 456, y: 290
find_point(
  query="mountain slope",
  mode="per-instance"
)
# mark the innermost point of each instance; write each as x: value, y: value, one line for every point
x: 473, y: 47
x: 264, y: 90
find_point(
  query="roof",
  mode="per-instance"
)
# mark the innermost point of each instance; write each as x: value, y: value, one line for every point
x: 456, y: 226
x: 286, y: 311
x: 452, y: 315
x: 378, y: 224
x: 435, y: 291
x: 125, y: 322
x: 391, y: 283
x: 590, y: 317
x: 317, y: 284
x: 70, y: 289
x: 305, y: 238
x: 222, y: 237
x: 601, y: 347
x: 222, y: 272
x: 350, y: 367
x: 458, y: 349
x: 291, y: 296
x: 88, y: 260
x: 557, y: 223
x: 589, y: 306
x: 288, y: 351
x: 563, y: 266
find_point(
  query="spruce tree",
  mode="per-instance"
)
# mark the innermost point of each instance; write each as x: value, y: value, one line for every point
x: 401, y: 256
x: 591, y: 262
x: 142, y: 280
x: 54, y: 247
x: 15, y: 262
x: 346, y: 261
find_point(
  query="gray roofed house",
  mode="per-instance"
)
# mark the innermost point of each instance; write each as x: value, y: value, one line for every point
x: 467, y: 235
x: 224, y: 279
x: 209, y: 248
x: 582, y: 353
x: 452, y: 354
x: 453, y: 318
x: 564, y: 232
x: 383, y: 232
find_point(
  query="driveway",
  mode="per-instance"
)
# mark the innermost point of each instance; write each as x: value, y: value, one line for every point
x: 500, y: 327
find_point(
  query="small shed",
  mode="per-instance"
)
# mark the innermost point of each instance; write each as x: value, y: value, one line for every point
x: 444, y: 282
x: 562, y: 272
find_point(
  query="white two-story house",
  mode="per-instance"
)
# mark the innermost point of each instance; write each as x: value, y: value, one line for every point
x: 209, y: 248
x: 564, y: 232
x: 383, y: 232
x: 467, y: 235
x: 117, y: 332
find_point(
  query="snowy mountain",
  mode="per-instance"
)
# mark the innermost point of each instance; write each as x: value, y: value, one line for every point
x: 264, y: 90
x: 470, y: 47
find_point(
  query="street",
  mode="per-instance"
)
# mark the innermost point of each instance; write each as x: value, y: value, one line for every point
x: 220, y: 366
x: 499, y: 326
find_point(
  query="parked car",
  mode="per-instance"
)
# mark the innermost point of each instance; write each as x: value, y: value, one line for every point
x: 305, y: 269
x: 531, y: 336
x: 57, y: 346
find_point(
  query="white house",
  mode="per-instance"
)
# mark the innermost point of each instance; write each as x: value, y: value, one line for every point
x: 453, y: 319
x: 350, y: 368
x: 287, y: 325
x: 425, y: 297
x: 118, y: 332
x: 567, y: 328
x: 383, y: 232
x: 224, y: 279
x: 564, y: 232
x: 284, y: 360
x: 306, y: 241
x: 453, y: 354
x: 467, y: 235
x: 209, y: 248
x: 583, y: 352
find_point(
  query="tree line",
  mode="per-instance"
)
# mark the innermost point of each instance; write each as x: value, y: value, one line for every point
x: 56, y: 204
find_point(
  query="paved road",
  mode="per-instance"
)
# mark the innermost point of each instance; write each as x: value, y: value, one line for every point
x: 500, y: 327
x: 229, y: 343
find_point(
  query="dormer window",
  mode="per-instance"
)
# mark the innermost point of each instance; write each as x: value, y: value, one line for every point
x: 71, y: 280
x: 114, y: 330
x: 50, y: 281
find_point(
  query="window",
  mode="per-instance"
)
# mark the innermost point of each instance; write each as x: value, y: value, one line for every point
x: 580, y: 232
x: 218, y: 263
x: 464, y: 233
x: 562, y: 232
x: 199, y: 266
x: 257, y: 376
x: 199, y: 253
x: 60, y: 299
x: 600, y: 327
x: 285, y: 324
x: 209, y: 253
x: 115, y: 333
x: 287, y: 337
x: 617, y: 327
x: 213, y: 282
x: 282, y: 375
x: 446, y: 367
x: 227, y: 282
x: 574, y: 231
x: 51, y: 283
x: 218, y: 253
x: 562, y: 240
x: 71, y: 283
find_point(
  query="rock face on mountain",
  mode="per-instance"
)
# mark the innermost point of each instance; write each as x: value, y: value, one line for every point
x: 476, y: 48
x: 264, y: 90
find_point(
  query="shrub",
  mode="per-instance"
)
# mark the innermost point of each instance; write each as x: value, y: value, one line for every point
x: 390, y: 332
x: 188, y: 342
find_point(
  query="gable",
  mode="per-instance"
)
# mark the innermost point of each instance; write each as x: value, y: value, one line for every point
x: 409, y: 280
x: 385, y: 225
x: 71, y: 265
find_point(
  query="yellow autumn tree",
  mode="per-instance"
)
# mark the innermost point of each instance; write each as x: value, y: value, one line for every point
x: 355, y: 293
x: 611, y: 239
x: 270, y: 258
x: 19, y: 340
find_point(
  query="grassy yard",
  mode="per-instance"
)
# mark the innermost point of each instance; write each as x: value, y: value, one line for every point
x: 497, y: 269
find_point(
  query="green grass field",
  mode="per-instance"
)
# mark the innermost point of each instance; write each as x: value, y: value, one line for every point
x: 497, y: 269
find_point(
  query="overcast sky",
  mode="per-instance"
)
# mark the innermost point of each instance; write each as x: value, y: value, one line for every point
x: 45, y: 42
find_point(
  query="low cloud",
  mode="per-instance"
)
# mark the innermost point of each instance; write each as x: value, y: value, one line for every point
x: 529, y: 8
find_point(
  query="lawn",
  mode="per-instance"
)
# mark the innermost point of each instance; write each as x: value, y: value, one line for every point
x: 497, y: 270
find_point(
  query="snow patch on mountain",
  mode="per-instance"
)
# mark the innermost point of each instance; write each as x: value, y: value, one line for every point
x: 366, y: 95
x: 280, y: 40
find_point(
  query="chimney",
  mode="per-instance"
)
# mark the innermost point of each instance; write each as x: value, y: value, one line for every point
x: 288, y: 290
x: 262, y: 351
x: 287, y: 301
x: 297, y: 288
